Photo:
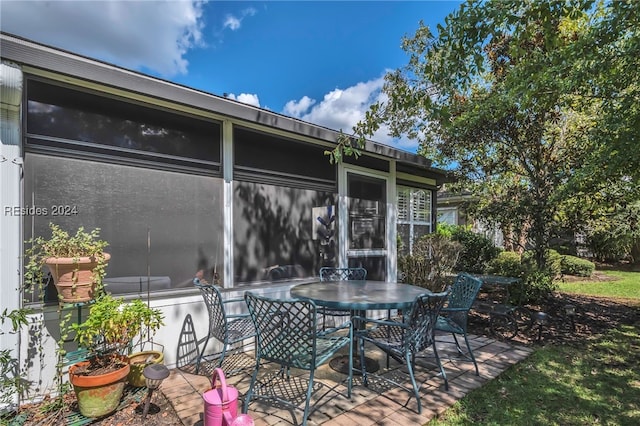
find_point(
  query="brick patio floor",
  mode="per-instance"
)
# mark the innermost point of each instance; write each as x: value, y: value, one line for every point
x: 378, y: 404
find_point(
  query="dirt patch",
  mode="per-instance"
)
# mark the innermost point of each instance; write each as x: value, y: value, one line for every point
x: 161, y: 413
x: 596, y: 277
x: 593, y: 316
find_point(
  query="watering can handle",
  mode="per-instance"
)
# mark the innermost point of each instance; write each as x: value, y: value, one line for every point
x: 219, y: 374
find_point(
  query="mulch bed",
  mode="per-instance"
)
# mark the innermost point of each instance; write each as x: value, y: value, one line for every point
x: 594, y: 316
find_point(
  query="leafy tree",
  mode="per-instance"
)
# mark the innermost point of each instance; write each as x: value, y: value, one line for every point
x: 512, y: 96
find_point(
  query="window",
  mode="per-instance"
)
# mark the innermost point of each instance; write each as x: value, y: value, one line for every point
x: 62, y: 120
x: 274, y: 230
x: 448, y: 215
x: 414, y: 216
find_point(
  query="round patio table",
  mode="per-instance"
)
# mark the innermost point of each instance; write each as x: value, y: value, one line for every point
x: 358, y: 296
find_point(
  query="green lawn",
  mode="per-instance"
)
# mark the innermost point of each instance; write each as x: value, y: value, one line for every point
x: 626, y: 285
x: 593, y: 382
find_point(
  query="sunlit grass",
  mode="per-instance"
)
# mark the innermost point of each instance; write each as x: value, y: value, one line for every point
x: 626, y: 285
x: 594, y: 383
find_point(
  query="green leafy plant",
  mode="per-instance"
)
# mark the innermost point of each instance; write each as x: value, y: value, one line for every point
x: 10, y: 380
x: 572, y: 265
x: 113, y: 325
x: 62, y: 244
x: 432, y: 261
x: 508, y: 264
x: 477, y: 250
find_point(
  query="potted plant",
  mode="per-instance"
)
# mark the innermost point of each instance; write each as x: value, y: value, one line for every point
x: 108, y: 333
x: 77, y: 263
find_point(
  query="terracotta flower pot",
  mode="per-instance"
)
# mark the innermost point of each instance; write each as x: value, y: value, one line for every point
x: 98, y: 395
x: 138, y: 361
x: 73, y: 277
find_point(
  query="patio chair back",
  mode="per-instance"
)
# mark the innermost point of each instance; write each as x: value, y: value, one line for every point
x: 229, y: 329
x: 217, y: 314
x: 342, y: 274
x: 453, y: 317
x: 422, y: 320
x: 463, y: 293
x: 285, y: 330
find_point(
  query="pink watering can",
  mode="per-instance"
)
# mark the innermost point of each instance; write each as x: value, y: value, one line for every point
x: 221, y: 404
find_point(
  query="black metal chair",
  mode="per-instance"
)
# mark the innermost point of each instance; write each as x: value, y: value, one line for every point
x: 339, y: 274
x: 404, y: 340
x: 286, y: 334
x: 228, y: 329
x: 454, y: 316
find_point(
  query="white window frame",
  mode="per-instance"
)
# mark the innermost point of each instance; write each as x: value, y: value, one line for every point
x: 411, y: 218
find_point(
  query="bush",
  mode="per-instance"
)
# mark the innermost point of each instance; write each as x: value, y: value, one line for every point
x: 477, y: 251
x: 538, y: 285
x: 572, y: 265
x: 507, y: 264
x: 553, y: 265
x: 607, y: 247
x: 431, y: 263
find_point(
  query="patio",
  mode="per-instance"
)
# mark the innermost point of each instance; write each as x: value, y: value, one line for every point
x: 379, y: 404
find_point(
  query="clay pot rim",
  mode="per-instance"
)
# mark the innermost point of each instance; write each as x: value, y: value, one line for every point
x: 74, y: 260
x: 100, y: 379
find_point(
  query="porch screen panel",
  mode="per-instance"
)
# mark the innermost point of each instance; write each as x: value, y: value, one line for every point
x: 276, y: 232
x: 367, y: 212
x: 182, y: 212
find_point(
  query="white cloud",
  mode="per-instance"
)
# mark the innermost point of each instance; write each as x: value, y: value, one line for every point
x: 134, y: 34
x: 341, y: 109
x: 233, y: 23
x: 296, y: 108
x: 247, y: 98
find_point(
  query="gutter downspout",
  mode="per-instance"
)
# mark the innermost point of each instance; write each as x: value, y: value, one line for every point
x: 11, y: 161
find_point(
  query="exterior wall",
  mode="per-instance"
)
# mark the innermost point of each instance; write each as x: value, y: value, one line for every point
x: 10, y: 178
x: 190, y: 207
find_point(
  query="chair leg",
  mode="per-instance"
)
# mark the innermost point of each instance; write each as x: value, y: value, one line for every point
x: 455, y: 338
x: 473, y: 358
x: 201, y: 354
x: 249, y: 395
x: 444, y: 375
x: 409, y: 361
x: 308, y: 401
x: 350, y: 376
x: 223, y: 353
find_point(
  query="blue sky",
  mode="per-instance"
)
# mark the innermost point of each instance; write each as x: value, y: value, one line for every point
x: 322, y: 62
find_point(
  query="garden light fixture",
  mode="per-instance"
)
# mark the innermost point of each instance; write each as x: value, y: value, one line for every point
x: 154, y: 374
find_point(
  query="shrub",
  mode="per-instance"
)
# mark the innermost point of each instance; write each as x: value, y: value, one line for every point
x: 507, y: 263
x: 446, y: 229
x: 431, y: 263
x: 553, y: 265
x: 477, y: 251
x: 538, y: 285
x: 607, y: 247
x: 572, y: 265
